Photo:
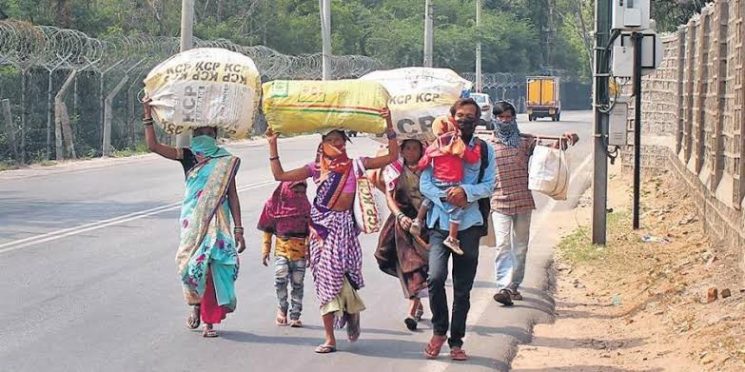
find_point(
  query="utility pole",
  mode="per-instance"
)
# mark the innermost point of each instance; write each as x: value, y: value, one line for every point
x: 325, y: 6
x: 637, y: 38
x: 187, y: 42
x: 428, y: 33
x: 600, y: 90
x: 478, y: 48
x: 549, y: 34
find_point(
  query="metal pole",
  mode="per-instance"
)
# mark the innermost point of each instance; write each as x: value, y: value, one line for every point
x: 478, y: 48
x: 326, y: 38
x: 637, y: 39
x: 187, y: 42
x: 600, y: 89
x: 428, y: 33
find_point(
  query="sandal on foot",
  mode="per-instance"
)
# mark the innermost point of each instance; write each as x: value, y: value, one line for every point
x: 209, y: 333
x: 353, y: 327
x: 296, y: 323
x: 503, y: 297
x: 325, y: 349
x: 458, y: 354
x: 411, y: 323
x: 281, y: 319
x: 432, y: 351
x: 193, y: 321
x: 515, y: 295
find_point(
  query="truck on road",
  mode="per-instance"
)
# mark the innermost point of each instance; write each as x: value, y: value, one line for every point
x: 543, y: 98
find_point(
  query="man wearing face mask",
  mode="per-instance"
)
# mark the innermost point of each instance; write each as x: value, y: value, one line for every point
x: 207, y: 257
x: 512, y: 201
x: 477, y: 184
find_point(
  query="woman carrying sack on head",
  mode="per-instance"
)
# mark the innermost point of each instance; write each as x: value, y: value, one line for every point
x: 335, y: 252
x: 207, y: 256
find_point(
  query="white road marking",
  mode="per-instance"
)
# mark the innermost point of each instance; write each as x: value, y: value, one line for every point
x: 63, y: 233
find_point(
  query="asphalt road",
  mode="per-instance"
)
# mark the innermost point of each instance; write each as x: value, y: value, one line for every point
x: 88, y: 280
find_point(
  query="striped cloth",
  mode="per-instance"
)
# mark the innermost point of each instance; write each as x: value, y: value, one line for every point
x: 335, y: 255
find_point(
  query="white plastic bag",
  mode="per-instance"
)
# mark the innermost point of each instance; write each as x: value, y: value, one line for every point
x: 205, y: 87
x: 549, y: 172
x: 418, y: 96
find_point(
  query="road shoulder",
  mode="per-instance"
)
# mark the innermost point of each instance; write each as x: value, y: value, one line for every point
x: 640, y: 303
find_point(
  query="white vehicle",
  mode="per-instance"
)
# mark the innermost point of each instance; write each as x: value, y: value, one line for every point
x: 486, y: 108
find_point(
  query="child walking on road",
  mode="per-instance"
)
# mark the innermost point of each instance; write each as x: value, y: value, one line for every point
x: 285, y: 216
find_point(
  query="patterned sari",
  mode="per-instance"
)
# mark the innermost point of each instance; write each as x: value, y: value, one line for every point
x: 335, y: 251
x: 207, y: 258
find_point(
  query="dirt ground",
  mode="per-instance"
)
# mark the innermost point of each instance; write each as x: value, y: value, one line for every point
x: 643, y: 302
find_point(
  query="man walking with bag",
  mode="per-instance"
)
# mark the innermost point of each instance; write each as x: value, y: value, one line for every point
x: 512, y: 202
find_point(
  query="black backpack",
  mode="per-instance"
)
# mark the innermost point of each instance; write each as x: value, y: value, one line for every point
x: 484, y: 203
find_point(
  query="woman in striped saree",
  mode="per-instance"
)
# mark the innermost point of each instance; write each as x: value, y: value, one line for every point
x: 335, y: 252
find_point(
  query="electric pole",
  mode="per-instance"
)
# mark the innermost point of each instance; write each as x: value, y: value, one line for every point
x: 600, y: 92
x: 428, y: 33
x: 326, y: 38
x: 478, y: 48
x: 187, y: 42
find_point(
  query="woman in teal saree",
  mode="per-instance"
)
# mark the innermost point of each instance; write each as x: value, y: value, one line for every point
x: 207, y: 256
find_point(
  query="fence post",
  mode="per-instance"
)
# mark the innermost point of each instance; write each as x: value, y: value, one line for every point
x: 688, y: 102
x: 24, y: 114
x: 701, y: 76
x: 10, y: 129
x: 62, y: 120
x: 108, y: 116
x: 680, y: 65
x: 719, y: 63
x: 739, y: 110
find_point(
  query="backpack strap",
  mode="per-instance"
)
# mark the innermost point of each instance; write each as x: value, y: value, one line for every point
x: 484, y: 158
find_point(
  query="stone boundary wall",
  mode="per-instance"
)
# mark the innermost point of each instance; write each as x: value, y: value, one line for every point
x: 693, y: 116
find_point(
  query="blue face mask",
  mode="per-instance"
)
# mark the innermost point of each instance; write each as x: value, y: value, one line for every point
x: 207, y: 146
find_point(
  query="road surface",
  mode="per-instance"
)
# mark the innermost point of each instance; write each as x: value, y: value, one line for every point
x: 88, y: 280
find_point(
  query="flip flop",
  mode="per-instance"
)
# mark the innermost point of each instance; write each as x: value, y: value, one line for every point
x: 281, y: 319
x: 458, y: 354
x: 210, y: 333
x: 193, y: 321
x: 432, y: 351
x: 296, y: 323
x: 325, y: 349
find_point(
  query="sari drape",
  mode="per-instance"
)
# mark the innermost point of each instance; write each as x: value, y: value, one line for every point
x: 207, y: 242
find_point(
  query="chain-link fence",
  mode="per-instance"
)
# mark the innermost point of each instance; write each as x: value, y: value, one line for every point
x: 58, y: 86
